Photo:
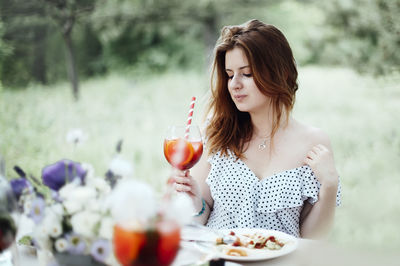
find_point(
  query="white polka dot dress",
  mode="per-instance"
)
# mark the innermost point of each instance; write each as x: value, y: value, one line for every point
x: 242, y: 200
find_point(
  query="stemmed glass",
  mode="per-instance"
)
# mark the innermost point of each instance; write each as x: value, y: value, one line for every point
x: 183, y: 146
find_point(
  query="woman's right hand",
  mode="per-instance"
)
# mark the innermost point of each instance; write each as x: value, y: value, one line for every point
x: 184, y: 182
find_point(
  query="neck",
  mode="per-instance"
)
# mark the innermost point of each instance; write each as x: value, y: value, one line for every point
x: 263, y: 122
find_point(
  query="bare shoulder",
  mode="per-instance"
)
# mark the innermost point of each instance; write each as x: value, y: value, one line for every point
x: 312, y: 135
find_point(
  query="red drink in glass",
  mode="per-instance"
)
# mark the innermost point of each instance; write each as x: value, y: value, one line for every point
x: 181, y: 153
x: 183, y: 146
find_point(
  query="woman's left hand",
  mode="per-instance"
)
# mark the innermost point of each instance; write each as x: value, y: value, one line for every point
x: 321, y: 161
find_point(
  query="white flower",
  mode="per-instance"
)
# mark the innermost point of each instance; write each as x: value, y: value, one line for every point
x: 41, y: 236
x: 121, y: 167
x: 106, y: 228
x: 51, y: 223
x: 100, y: 184
x: 73, y: 206
x: 61, y: 245
x: 132, y: 202
x: 89, y: 170
x: 84, y: 223
x: 57, y: 209
x: 77, y: 198
x: 94, y: 205
x: 27, y: 206
x: 76, y: 136
x: 27, y: 200
x: 180, y: 208
x: 51, y: 218
x: 68, y: 188
x: 55, y: 230
x: 26, y: 226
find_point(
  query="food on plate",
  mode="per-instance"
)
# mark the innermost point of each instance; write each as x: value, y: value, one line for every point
x: 255, y: 240
x: 235, y: 252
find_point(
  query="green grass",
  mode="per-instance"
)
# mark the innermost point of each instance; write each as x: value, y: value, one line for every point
x: 360, y: 114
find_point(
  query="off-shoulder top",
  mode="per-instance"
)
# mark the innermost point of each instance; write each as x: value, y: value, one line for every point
x: 241, y: 199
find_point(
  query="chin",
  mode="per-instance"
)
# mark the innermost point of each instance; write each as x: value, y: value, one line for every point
x: 242, y: 108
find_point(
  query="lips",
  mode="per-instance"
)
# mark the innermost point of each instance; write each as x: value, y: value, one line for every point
x: 239, y: 97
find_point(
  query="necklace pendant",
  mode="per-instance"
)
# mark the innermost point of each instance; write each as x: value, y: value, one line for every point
x: 263, y: 145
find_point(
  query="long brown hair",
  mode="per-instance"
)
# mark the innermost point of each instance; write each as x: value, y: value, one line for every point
x: 274, y: 72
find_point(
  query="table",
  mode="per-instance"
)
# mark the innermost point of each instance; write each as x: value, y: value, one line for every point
x: 308, y: 253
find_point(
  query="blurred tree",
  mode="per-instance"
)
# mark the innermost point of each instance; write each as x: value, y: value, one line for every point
x: 5, y: 49
x: 159, y: 33
x: 24, y: 34
x: 364, y: 34
x: 155, y: 34
x: 65, y: 13
x: 27, y: 24
x: 113, y: 34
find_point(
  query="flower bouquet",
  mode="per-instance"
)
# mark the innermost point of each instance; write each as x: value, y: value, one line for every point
x: 68, y: 216
x: 81, y: 219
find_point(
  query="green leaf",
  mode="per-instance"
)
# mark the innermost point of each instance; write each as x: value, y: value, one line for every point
x: 25, y: 240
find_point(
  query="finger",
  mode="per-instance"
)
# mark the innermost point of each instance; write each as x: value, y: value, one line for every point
x: 186, y: 173
x: 183, y: 180
x: 326, y: 149
x: 311, y: 154
x: 182, y: 188
x: 316, y: 149
x: 308, y: 161
x: 171, y: 180
x: 177, y: 172
x: 322, y: 147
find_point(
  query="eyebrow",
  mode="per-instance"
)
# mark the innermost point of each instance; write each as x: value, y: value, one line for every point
x: 240, y: 68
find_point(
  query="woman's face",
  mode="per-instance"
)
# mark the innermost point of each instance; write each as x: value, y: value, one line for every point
x: 242, y: 88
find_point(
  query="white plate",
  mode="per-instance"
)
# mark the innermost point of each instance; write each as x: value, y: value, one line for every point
x: 291, y: 244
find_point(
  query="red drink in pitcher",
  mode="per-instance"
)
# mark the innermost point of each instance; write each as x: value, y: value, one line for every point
x: 156, y: 246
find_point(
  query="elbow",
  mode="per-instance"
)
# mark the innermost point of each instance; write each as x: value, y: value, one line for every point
x: 315, y: 232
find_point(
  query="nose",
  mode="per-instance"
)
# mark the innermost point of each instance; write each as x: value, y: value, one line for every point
x: 235, y: 83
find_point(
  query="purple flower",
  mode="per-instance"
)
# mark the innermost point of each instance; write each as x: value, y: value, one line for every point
x: 55, y: 196
x: 37, y: 210
x: 18, y: 186
x: 76, y: 244
x: 56, y: 175
x: 100, y: 250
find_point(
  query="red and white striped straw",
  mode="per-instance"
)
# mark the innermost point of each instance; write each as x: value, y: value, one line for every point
x: 190, y: 116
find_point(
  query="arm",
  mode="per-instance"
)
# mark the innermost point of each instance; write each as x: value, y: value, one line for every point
x: 194, y: 184
x: 316, y: 220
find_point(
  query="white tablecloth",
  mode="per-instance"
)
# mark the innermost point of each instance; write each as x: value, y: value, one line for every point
x: 308, y: 253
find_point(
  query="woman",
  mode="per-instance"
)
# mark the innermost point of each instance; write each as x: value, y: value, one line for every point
x: 252, y: 140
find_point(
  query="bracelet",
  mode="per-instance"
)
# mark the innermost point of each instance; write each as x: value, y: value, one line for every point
x: 203, y: 208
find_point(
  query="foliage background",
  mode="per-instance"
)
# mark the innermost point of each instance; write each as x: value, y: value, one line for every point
x: 139, y: 63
